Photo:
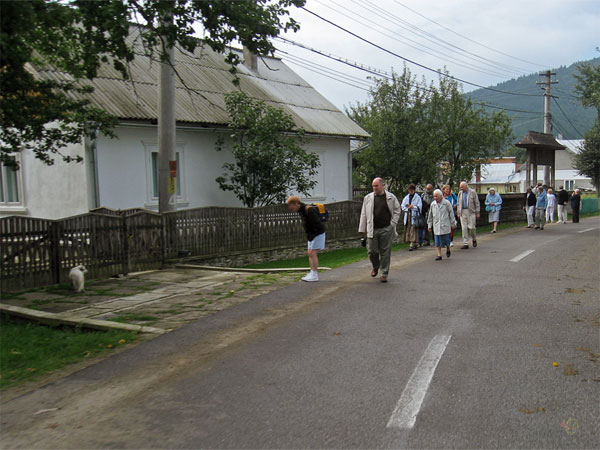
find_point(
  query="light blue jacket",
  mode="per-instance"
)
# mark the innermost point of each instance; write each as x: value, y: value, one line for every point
x: 416, y: 201
x: 542, y: 200
x: 496, y: 200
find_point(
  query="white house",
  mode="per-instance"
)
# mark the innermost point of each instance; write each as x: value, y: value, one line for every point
x: 122, y: 173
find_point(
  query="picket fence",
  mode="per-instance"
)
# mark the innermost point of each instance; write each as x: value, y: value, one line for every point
x: 38, y: 252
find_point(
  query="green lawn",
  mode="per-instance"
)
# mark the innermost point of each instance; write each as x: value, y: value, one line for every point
x: 28, y: 349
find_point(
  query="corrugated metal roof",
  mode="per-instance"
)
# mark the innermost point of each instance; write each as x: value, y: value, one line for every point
x: 201, y: 81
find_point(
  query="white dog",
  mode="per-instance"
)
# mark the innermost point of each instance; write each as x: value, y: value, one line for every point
x: 77, y: 277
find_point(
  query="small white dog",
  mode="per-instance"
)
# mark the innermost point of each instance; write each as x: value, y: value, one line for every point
x: 77, y: 277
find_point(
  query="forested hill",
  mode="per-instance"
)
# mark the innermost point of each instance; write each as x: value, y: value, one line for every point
x: 581, y: 118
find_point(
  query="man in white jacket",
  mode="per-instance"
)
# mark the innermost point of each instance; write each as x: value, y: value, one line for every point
x: 378, y: 219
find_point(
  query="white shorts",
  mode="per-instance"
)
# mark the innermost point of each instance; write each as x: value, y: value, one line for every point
x: 318, y: 243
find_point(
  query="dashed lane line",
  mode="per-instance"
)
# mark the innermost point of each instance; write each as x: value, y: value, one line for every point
x: 409, y: 405
x: 522, y: 255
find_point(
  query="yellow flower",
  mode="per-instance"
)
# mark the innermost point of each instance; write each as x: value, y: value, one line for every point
x: 122, y: 341
x: 555, y: 364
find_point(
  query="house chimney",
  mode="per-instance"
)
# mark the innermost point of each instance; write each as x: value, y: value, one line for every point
x: 250, y: 60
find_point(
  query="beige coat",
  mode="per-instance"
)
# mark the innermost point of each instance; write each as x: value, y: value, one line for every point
x: 366, y: 213
x: 472, y: 202
x: 441, y: 217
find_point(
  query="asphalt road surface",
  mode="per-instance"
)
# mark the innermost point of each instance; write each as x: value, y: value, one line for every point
x: 496, y: 347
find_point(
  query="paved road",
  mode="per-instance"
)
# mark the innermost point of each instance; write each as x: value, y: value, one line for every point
x: 496, y: 347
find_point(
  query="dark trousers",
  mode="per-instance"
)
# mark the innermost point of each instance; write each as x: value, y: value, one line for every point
x: 575, y: 215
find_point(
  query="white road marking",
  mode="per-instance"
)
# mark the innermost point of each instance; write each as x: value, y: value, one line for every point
x: 522, y: 255
x: 409, y: 405
x: 589, y: 229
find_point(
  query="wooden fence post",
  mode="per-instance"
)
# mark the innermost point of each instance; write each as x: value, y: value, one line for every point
x: 55, y: 260
x: 126, y: 250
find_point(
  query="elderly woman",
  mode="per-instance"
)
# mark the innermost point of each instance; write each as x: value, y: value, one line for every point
x: 493, y: 204
x: 441, y: 220
x: 412, y: 207
x: 453, y: 199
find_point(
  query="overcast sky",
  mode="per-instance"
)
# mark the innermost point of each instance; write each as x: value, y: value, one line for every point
x: 480, y: 41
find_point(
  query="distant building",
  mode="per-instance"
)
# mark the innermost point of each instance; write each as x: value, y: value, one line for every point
x: 505, y: 175
x: 496, y: 173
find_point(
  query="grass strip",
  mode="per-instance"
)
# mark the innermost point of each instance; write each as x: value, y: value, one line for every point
x: 28, y: 349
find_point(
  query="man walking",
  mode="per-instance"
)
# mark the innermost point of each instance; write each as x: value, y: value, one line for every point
x: 540, y: 208
x: 575, y: 205
x: 378, y: 219
x: 468, y: 213
x: 563, y: 200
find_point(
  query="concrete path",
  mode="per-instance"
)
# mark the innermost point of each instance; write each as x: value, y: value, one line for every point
x: 156, y: 301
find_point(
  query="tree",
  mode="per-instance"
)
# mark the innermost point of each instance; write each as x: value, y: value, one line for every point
x: 587, y: 162
x: 426, y: 134
x: 395, y: 117
x: 78, y: 36
x: 464, y: 135
x: 269, y: 159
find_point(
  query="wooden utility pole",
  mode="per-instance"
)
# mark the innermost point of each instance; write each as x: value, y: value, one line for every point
x: 167, y: 162
x: 547, y: 116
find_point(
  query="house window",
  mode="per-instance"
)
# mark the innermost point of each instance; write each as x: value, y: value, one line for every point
x: 569, y: 185
x: 10, y: 185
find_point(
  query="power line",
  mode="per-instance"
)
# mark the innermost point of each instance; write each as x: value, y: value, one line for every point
x: 419, y: 46
x: 442, y: 43
x: 371, y: 70
x: 410, y: 61
x: 568, y: 120
x: 467, y: 38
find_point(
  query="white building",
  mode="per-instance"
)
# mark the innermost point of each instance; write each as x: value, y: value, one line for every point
x: 122, y: 173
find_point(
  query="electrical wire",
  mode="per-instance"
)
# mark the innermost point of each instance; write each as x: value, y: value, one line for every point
x: 403, y: 39
x: 371, y: 70
x: 469, y: 39
x: 568, y: 120
x: 409, y: 60
x: 437, y: 41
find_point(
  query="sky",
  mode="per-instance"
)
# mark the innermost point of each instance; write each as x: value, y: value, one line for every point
x: 483, y: 42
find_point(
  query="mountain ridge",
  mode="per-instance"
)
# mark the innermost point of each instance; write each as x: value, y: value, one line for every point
x: 569, y: 119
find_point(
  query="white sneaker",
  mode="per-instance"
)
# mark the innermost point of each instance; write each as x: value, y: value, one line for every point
x: 312, y: 276
x: 451, y: 244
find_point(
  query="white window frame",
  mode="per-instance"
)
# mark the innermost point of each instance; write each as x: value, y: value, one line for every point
x: 152, y: 200
x: 5, y: 205
x: 570, y: 185
x: 318, y: 192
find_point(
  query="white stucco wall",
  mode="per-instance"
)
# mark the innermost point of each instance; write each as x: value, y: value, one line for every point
x: 125, y: 179
x: 51, y: 192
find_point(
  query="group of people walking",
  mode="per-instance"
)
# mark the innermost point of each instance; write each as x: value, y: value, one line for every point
x: 540, y: 206
x: 436, y: 213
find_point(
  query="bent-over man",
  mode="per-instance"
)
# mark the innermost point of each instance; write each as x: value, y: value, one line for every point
x: 468, y: 213
x: 378, y: 219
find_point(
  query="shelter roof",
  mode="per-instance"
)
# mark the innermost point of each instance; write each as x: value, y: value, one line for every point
x: 539, y: 141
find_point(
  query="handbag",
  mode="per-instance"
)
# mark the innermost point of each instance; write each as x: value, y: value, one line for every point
x: 420, y: 220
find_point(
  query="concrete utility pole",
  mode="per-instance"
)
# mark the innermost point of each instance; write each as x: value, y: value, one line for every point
x: 547, y: 116
x: 167, y: 162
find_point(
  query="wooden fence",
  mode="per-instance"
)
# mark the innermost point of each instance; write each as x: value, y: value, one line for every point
x: 38, y: 252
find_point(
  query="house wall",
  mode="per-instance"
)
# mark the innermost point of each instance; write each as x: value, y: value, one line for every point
x: 125, y: 175
x: 563, y: 159
x: 51, y: 192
